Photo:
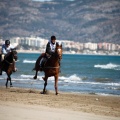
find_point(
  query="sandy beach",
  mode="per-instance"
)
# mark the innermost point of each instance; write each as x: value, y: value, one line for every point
x: 29, y: 104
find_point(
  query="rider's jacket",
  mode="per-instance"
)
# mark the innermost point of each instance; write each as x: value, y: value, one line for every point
x: 50, y: 48
x: 5, y: 49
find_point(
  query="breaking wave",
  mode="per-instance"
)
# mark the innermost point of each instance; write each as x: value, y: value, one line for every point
x: 29, y: 61
x: 108, y: 66
x: 74, y: 79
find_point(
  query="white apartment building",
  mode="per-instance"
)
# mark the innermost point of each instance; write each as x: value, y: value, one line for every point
x: 31, y: 41
x: 91, y: 46
x: 41, y: 43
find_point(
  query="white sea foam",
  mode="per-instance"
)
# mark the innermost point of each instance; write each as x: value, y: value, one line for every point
x: 108, y: 66
x: 74, y: 79
x: 71, y: 79
x: 29, y: 61
x: 27, y: 76
x: 30, y: 77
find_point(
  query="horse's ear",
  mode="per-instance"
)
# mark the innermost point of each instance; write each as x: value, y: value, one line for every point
x: 60, y: 44
x: 13, y: 49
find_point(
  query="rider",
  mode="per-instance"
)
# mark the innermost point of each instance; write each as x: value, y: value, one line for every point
x: 6, y: 49
x: 50, y: 50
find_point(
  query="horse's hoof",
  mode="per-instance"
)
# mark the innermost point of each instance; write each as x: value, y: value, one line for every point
x: 11, y: 86
x: 44, y: 92
x: 34, y: 77
x: 57, y: 94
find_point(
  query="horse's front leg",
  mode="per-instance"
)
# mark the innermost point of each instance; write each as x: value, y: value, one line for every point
x: 45, y: 84
x: 8, y: 79
x: 35, y: 77
x: 56, y: 84
x: 6, y: 84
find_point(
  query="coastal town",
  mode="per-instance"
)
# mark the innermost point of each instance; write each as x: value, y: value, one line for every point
x: 38, y: 44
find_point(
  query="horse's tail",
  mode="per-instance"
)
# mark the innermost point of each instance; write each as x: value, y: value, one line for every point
x: 38, y: 62
x: 33, y: 69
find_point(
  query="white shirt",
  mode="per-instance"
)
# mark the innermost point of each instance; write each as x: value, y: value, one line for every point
x: 52, y: 46
x: 5, y: 49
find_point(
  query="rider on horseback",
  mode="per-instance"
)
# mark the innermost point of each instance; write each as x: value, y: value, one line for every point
x: 50, y: 50
x: 6, y: 49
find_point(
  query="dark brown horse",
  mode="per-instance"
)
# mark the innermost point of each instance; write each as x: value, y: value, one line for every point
x: 51, y: 67
x: 7, y: 65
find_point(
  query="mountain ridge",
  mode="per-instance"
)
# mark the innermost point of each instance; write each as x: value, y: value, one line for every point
x: 80, y: 21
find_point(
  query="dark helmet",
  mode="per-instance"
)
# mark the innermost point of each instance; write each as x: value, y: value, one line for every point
x: 53, y: 38
x: 7, y: 42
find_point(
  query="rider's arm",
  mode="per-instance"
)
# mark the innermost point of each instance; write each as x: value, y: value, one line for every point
x: 11, y: 47
x: 4, y: 49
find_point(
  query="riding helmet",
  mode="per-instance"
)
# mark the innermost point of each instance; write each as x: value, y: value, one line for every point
x: 53, y: 37
x: 7, y: 42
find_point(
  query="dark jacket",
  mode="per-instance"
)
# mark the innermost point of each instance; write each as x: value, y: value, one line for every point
x: 48, y: 49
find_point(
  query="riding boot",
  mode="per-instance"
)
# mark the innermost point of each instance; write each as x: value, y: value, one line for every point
x: 41, y: 64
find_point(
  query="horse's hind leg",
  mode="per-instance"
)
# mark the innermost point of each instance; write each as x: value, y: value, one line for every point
x: 6, y: 84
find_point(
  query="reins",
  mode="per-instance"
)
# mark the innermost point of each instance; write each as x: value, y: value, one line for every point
x: 9, y: 62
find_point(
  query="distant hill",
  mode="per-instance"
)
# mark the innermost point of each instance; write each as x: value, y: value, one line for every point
x: 79, y: 20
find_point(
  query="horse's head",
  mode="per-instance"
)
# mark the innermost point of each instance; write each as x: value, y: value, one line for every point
x: 58, y: 50
x: 14, y: 53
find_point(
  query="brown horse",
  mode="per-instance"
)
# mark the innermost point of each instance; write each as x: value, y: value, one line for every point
x: 51, y: 67
x: 7, y: 65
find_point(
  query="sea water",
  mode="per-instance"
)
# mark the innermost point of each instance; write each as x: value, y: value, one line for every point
x: 93, y: 74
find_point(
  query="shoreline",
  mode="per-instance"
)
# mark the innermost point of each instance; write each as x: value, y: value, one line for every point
x: 108, y: 106
x: 37, y: 51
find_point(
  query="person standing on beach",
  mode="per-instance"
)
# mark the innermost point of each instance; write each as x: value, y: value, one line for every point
x: 6, y: 49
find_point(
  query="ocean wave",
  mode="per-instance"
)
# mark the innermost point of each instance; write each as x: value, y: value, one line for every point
x: 76, y: 79
x: 29, y: 61
x: 108, y: 66
x: 30, y: 77
x: 73, y: 79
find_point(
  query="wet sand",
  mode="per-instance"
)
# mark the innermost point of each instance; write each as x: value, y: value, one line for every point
x: 24, y: 104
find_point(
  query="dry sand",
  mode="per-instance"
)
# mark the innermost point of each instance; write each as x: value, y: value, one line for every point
x: 29, y: 104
